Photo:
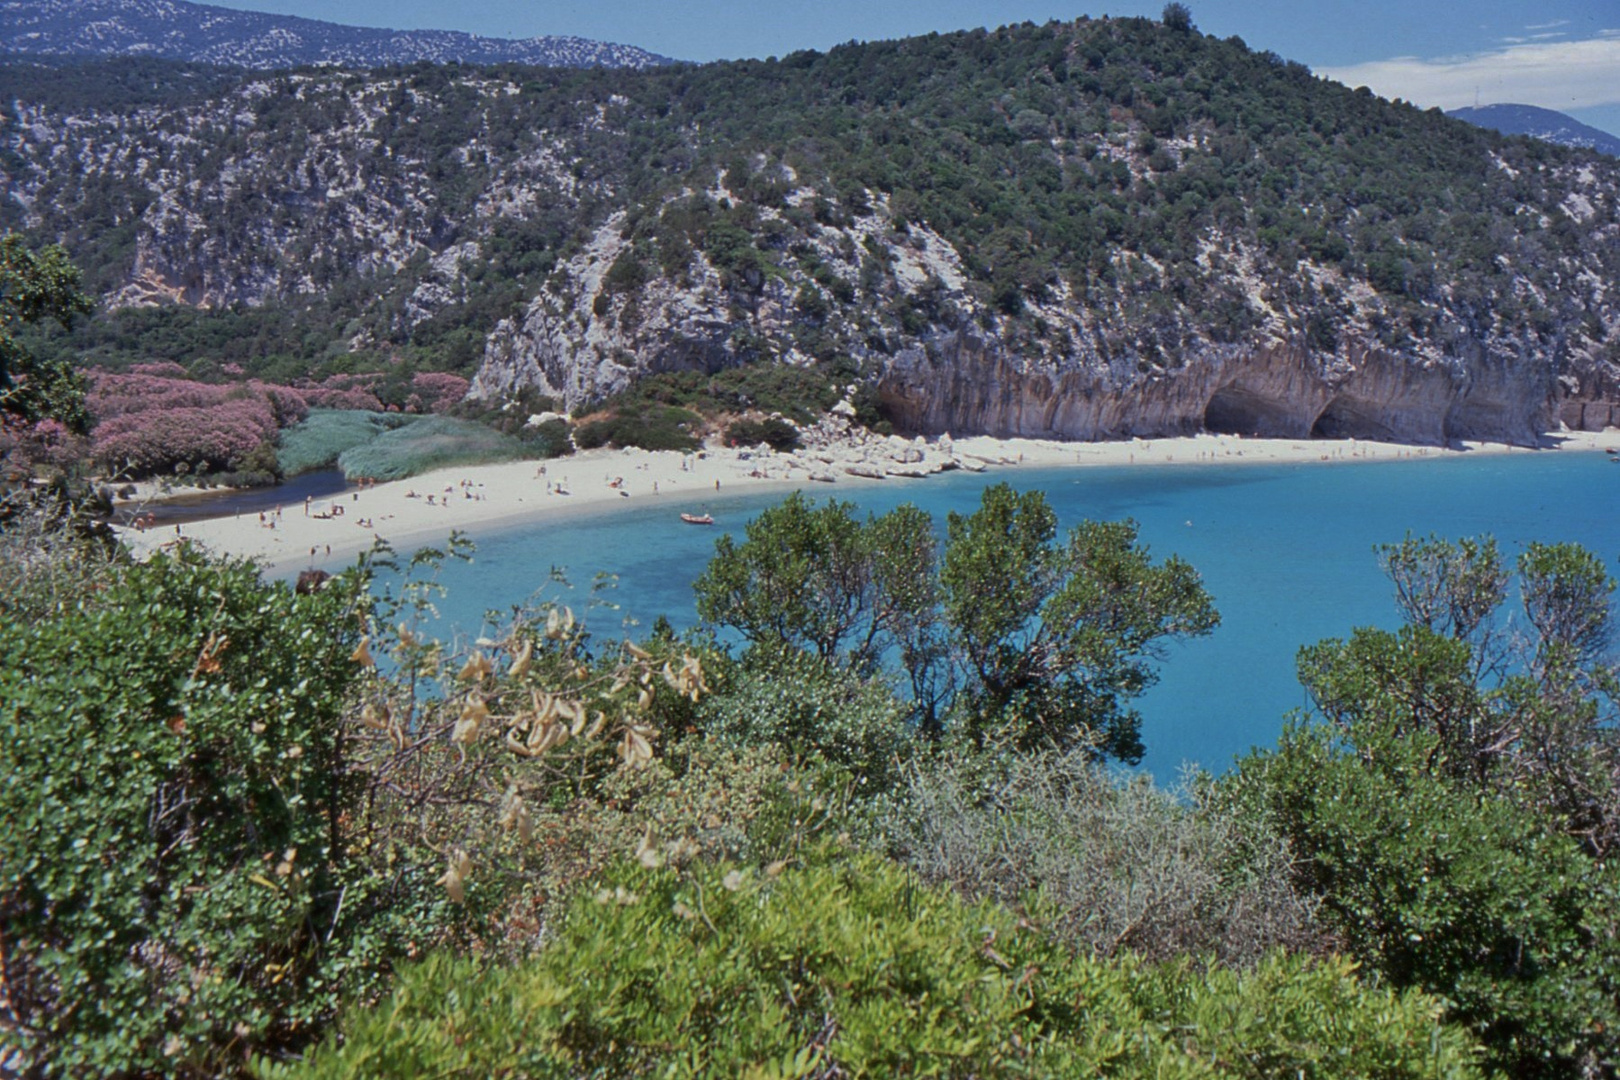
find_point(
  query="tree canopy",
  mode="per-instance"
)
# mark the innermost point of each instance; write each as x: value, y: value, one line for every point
x: 36, y: 286
x: 1012, y: 636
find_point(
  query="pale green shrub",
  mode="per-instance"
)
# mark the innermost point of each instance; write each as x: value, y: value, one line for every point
x: 852, y: 968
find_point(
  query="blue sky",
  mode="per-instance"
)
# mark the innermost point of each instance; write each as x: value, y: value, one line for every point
x: 1559, y: 54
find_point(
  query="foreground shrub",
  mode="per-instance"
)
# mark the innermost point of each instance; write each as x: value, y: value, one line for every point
x: 174, y: 887
x: 47, y: 563
x: 1455, y: 808
x: 1111, y: 863
x: 433, y: 442
x: 1433, y: 887
x: 818, y: 714
x: 853, y: 969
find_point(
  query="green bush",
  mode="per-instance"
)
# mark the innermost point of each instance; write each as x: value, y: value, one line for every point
x: 815, y: 713
x: 773, y: 431
x: 1455, y: 810
x: 800, y: 394
x: 433, y: 442
x: 174, y: 887
x: 651, y: 427
x: 552, y: 439
x: 1476, y: 900
x: 854, y: 969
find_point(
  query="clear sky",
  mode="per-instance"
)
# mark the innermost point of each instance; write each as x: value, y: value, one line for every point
x: 1559, y: 54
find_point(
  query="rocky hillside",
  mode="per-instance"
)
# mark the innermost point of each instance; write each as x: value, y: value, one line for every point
x: 176, y: 30
x: 1088, y: 229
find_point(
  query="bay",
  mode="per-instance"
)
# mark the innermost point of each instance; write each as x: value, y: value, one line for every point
x: 1288, y: 552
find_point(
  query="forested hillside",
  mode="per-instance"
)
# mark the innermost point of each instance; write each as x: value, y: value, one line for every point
x: 1085, y: 229
x: 203, y: 33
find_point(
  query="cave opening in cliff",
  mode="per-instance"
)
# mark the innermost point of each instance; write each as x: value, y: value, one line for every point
x: 1336, y: 422
x: 1347, y: 418
x: 1236, y: 411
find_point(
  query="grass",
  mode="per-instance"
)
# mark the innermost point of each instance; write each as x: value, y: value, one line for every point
x: 326, y: 434
x: 432, y: 442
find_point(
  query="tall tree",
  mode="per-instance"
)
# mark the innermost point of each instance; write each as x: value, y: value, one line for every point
x: 1060, y: 637
x: 34, y: 286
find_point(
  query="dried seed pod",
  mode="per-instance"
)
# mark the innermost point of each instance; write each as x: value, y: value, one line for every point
x: 375, y: 716
x: 509, y: 807
x: 559, y: 623
x: 647, y: 853
x: 362, y: 653
x: 634, y: 748
x: 454, y: 878
x: 520, y: 662
x: 477, y: 666
x: 515, y: 815
x: 473, y: 714
x: 597, y: 725
x: 572, y: 713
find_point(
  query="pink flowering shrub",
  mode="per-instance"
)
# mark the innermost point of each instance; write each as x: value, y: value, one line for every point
x: 438, y: 391
x: 44, y: 442
x: 153, y: 418
x: 344, y: 392
x: 321, y: 397
x: 289, y: 405
x: 112, y: 395
x: 207, y: 439
x: 160, y: 369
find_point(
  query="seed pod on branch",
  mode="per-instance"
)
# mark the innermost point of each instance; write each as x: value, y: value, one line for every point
x: 454, y: 878
x: 477, y: 666
x: 473, y: 714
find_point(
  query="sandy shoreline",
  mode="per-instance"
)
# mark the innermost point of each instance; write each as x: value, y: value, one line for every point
x: 329, y: 532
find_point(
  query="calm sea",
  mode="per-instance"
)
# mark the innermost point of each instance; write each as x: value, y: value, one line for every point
x: 1286, y: 550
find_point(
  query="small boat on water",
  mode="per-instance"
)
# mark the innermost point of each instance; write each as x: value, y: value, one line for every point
x: 698, y: 519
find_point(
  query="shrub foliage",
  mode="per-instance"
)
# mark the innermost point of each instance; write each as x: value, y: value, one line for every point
x: 173, y: 871
x: 853, y: 968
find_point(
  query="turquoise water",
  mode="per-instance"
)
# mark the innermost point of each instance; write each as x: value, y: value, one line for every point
x: 1286, y: 550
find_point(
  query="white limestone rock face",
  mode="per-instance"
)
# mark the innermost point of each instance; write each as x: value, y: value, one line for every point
x: 964, y: 385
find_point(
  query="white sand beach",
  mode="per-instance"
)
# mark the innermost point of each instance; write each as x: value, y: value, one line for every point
x: 328, y: 533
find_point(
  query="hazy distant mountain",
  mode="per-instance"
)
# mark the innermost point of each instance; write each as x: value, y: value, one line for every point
x: 1545, y: 124
x: 176, y: 30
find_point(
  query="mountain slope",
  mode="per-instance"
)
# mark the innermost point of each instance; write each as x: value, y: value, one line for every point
x: 176, y: 30
x: 1545, y: 124
x: 1087, y: 229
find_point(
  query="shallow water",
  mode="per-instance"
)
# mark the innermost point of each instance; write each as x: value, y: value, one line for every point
x: 1286, y: 550
x: 183, y: 509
